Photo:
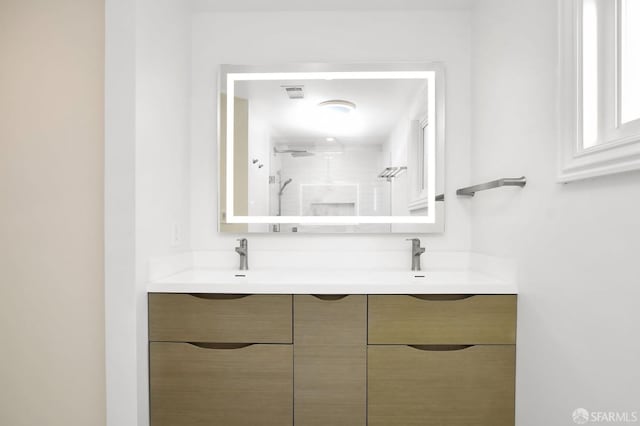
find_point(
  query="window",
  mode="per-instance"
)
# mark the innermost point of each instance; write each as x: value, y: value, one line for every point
x: 600, y: 88
x: 629, y: 61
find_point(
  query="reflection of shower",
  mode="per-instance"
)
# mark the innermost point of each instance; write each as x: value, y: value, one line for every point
x: 294, y: 152
x: 282, y: 187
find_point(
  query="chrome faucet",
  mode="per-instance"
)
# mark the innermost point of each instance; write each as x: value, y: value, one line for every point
x: 243, y: 251
x: 416, y: 252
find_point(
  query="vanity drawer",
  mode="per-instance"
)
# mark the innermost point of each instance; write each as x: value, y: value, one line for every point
x: 220, y: 318
x: 441, y: 385
x: 220, y: 384
x: 442, y: 319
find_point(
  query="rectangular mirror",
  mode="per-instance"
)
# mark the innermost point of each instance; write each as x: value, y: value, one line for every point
x: 331, y: 148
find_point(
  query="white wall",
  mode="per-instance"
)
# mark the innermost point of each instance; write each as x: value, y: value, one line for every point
x: 163, y: 60
x: 577, y: 245
x: 333, y: 37
x: 147, y: 160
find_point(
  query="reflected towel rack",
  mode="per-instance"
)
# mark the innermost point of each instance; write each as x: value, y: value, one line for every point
x: 391, y: 172
x: 471, y: 190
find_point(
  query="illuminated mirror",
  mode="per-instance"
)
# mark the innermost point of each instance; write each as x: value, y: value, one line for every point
x: 328, y: 148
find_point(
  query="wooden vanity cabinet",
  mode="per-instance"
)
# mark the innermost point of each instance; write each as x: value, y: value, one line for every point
x: 441, y: 360
x: 318, y: 360
x: 220, y: 360
x: 330, y: 362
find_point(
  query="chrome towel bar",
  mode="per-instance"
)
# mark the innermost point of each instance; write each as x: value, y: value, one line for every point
x: 391, y: 172
x: 471, y: 190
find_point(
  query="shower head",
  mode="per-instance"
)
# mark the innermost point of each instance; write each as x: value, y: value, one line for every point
x: 294, y: 152
x: 284, y: 185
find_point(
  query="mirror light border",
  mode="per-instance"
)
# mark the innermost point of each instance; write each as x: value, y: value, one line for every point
x: 432, y: 91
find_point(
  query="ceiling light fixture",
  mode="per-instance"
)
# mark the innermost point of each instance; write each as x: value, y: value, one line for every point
x: 338, y: 105
x: 330, y: 139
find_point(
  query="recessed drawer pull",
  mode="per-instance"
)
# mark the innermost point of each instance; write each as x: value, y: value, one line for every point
x: 449, y: 319
x: 330, y: 296
x: 221, y: 345
x: 220, y: 318
x: 442, y: 297
x: 217, y: 296
x: 440, y: 348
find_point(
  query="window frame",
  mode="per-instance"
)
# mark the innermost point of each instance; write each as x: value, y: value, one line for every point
x: 620, y: 149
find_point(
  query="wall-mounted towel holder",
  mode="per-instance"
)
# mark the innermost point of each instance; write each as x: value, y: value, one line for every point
x: 392, y: 172
x: 471, y: 190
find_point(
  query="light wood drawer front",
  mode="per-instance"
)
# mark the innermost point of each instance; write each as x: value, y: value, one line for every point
x: 471, y: 386
x: 480, y: 319
x: 200, y: 386
x: 220, y: 318
x: 330, y: 344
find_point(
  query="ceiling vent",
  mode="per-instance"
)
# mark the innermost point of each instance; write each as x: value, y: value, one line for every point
x: 294, y: 92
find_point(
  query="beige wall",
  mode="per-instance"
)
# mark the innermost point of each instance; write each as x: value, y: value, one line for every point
x: 51, y: 212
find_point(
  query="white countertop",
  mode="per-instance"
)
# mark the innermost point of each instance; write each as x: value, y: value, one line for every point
x: 303, y: 281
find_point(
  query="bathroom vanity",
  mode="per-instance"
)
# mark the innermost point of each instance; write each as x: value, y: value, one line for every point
x: 332, y: 359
